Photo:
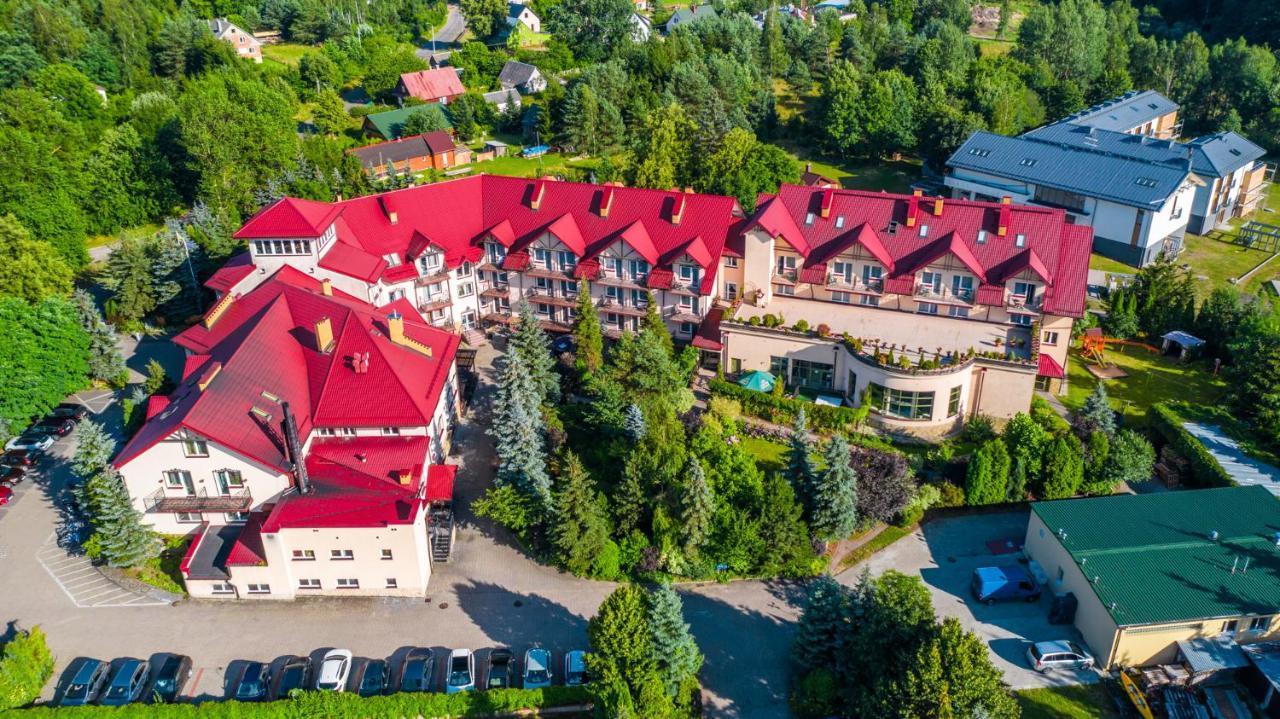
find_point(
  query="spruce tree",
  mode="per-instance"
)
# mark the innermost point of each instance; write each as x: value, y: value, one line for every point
x: 532, y: 344
x: 1096, y: 413
x: 783, y: 531
x: 106, y: 363
x: 518, y: 431
x: 587, y: 333
x: 620, y: 636
x: 631, y: 501
x: 125, y: 541
x: 93, y: 450
x: 653, y: 324
x: 835, y: 497
x: 824, y: 623
x: 800, y: 470
x: 581, y: 527
x: 697, y: 507
x: 675, y: 653
x: 634, y: 424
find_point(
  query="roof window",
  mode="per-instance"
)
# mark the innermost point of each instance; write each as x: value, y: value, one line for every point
x: 1020, y: 241
x: 808, y: 218
x: 979, y: 151
x: 982, y: 237
x: 1145, y: 182
x: 1028, y: 162
x: 840, y: 222
x: 1235, y: 152
x: 893, y: 228
x: 924, y: 230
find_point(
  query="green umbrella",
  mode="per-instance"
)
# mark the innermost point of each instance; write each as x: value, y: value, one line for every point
x: 758, y: 381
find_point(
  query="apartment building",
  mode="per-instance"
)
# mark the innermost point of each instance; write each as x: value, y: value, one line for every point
x: 304, y: 446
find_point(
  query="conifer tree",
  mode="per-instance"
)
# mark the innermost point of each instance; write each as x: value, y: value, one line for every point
x: 580, y: 529
x: 1096, y: 413
x: 25, y: 667
x: 634, y: 423
x: 532, y: 344
x: 987, y: 479
x: 1063, y: 468
x: 652, y: 323
x: 125, y: 541
x: 621, y: 640
x: 630, y: 502
x: 93, y: 450
x: 823, y: 624
x: 697, y: 508
x: 106, y: 363
x: 800, y: 470
x: 675, y: 653
x: 587, y: 333
x: 835, y: 497
x: 518, y: 431
x: 783, y: 531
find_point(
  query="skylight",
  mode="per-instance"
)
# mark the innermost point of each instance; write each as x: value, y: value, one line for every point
x: 982, y: 237
x: 924, y: 230
x: 979, y: 151
x: 808, y: 218
x: 1020, y: 241
x: 840, y: 222
x: 1028, y: 162
x: 1145, y: 182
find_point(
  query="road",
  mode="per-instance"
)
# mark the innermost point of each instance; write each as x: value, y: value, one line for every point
x: 446, y: 38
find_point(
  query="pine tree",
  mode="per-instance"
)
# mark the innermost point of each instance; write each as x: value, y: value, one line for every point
x: 106, y: 363
x: 518, y: 431
x: 800, y: 470
x: 783, y: 531
x: 93, y: 450
x: 125, y: 541
x: 1096, y: 413
x: 532, y: 344
x: 581, y: 528
x: 824, y: 623
x: 835, y: 501
x: 697, y: 508
x: 630, y: 501
x: 634, y: 423
x: 587, y: 334
x: 675, y: 653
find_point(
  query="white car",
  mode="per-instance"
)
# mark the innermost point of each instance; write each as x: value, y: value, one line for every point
x: 1043, y: 656
x: 537, y: 669
x: 462, y: 672
x: 30, y: 442
x: 334, y: 670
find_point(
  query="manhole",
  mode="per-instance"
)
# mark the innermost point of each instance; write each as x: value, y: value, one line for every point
x: 518, y: 603
x: 444, y: 605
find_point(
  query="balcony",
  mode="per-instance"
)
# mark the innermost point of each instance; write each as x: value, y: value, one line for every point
x: 1020, y: 302
x: 617, y: 307
x: 683, y: 314
x: 431, y: 304
x: 620, y: 281
x: 785, y: 276
x: 431, y: 277
x: 929, y: 293
x: 840, y: 283
x: 496, y: 292
x: 549, y: 273
x: 238, y: 501
x: 550, y: 298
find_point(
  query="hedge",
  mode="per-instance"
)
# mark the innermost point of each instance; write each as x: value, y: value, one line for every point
x: 1205, y: 470
x: 328, y: 705
x: 782, y: 410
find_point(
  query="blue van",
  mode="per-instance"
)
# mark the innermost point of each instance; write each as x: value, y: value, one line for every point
x: 1004, y: 584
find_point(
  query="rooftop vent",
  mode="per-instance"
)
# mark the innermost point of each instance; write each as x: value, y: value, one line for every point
x: 1213, y: 535
x: 1276, y: 538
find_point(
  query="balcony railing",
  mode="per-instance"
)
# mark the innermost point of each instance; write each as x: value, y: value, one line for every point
x: 431, y: 277
x: 436, y: 302
x: 620, y: 281
x: 683, y: 314
x: 854, y: 284
x: 943, y: 294
x: 549, y: 297
x: 784, y: 275
x: 1020, y: 302
x: 201, y: 501
x: 618, y: 307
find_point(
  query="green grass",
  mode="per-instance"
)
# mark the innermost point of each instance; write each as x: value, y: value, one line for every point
x: 888, y: 175
x: 1152, y: 378
x: 888, y: 536
x: 1215, y: 261
x: 1080, y: 701
x: 285, y: 53
x: 133, y: 232
x: 1106, y: 264
x: 164, y: 571
x: 770, y: 456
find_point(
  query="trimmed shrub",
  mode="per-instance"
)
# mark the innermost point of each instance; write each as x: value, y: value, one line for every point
x: 1205, y: 470
x: 782, y: 410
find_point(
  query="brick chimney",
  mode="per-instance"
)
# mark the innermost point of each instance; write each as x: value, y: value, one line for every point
x: 1006, y: 214
x: 913, y: 207
x: 535, y: 197
x: 677, y: 208
x: 937, y: 206
x: 828, y: 199
x: 606, y: 201
x: 324, y: 334
x: 326, y: 287
x: 405, y: 476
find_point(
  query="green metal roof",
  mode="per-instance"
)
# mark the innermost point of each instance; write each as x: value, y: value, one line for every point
x: 1151, y: 560
x: 389, y: 124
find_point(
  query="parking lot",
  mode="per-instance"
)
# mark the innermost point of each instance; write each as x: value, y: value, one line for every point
x: 944, y: 553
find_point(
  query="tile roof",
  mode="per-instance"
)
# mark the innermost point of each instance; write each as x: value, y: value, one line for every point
x: 390, y: 124
x: 264, y: 344
x: 1077, y: 168
x: 432, y: 85
x: 1151, y: 559
x: 1058, y: 249
x: 1125, y: 112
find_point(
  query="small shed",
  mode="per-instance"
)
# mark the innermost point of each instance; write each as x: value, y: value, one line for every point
x: 1263, y: 677
x: 1183, y: 341
x: 1211, y: 659
x: 498, y: 148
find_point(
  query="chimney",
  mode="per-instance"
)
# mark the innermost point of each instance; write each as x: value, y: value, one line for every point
x: 216, y: 311
x: 298, y: 465
x: 937, y: 206
x: 808, y: 167
x: 535, y: 197
x: 392, y: 216
x: 1006, y: 214
x: 677, y: 208
x: 207, y: 376
x: 360, y: 362
x: 913, y: 207
x: 324, y: 334
x: 395, y: 332
x: 326, y: 287
x: 406, y: 477
x: 828, y: 199
x: 606, y: 201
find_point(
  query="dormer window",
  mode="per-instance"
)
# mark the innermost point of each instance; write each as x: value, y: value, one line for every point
x: 392, y: 259
x: 495, y: 252
x: 1020, y: 241
x: 432, y: 262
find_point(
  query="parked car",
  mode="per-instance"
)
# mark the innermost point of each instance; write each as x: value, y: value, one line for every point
x: 372, y: 678
x: 54, y: 427
x: 462, y: 672
x: 1043, y: 656
x: 1004, y: 584
x: 12, y: 474
x: 253, y: 682
x: 172, y: 675
x: 68, y: 410
x: 294, y: 674
x: 85, y: 684
x: 418, y: 670
x: 335, y: 668
x: 30, y: 441
x: 6, y: 496
x: 126, y: 683
x: 575, y: 668
x: 499, y: 669
x: 18, y: 458
x: 537, y: 669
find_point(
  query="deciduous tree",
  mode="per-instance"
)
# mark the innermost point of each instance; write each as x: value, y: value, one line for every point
x: 30, y: 269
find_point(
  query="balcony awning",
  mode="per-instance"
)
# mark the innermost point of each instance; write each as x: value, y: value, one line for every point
x: 1049, y: 367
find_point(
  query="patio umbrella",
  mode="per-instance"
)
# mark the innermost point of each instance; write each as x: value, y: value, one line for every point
x: 757, y: 380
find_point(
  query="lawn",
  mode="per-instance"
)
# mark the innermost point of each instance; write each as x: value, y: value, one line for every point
x: 285, y: 53
x: 164, y: 571
x: 888, y: 175
x: 1152, y: 378
x: 1080, y: 701
x: 770, y: 456
x: 146, y: 230
x: 514, y: 165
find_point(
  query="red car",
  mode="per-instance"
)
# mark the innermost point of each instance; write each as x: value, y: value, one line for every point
x: 6, y: 494
x: 17, y: 458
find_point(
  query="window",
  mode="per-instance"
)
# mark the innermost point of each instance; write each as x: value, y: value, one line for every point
x: 686, y: 328
x: 931, y: 281
x: 495, y: 253
x: 689, y: 274
x: 386, y: 554
x: 730, y: 291
x: 808, y: 218
x: 325, y: 432
x: 787, y: 290
x: 639, y: 298
x: 567, y: 260
x: 237, y: 517
x: 1060, y: 198
x: 982, y: 237
x: 1145, y: 182
x: 778, y: 368
x: 1050, y: 338
x: 1024, y: 293
x: 392, y: 259
x: 1230, y: 626
x: 465, y: 269
x: 639, y: 269
x: 228, y: 481
x: 1259, y: 624
x: 282, y: 247
x: 195, y: 448
x: 924, y: 230
x: 348, y: 583
x: 871, y: 275
x: 568, y: 288
x: 259, y: 588
x: 222, y: 588
x: 1023, y: 320
x: 901, y: 403
x: 542, y: 283
x: 304, y: 555
x: 979, y: 151
x: 841, y: 297
x: 466, y: 289
x: 542, y: 310
x: 869, y: 300
x: 840, y: 222
x: 347, y: 431
x: 341, y: 554
x: 177, y: 479
x: 389, y: 431
x: 391, y: 583
x: 953, y: 402
x: 961, y: 312
x: 927, y: 308
x: 1020, y: 240
x: 542, y: 256
x: 308, y: 584
x: 815, y: 375
x: 962, y: 286
x: 731, y: 262
x: 786, y: 263
x: 1028, y: 162
x: 190, y: 517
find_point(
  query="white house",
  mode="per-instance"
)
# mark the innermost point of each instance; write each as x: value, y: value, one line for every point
x: 245, y: 44
x: 521, y: 14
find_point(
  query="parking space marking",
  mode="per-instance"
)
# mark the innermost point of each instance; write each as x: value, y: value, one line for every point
x: 83, y: 583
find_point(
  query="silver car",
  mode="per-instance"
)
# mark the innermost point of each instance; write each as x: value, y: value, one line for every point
x: 1063, y: 654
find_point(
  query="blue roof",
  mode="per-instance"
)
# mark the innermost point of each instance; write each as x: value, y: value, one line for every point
x: 1222, y: 153
x: 1124, y: 144
x: 1125, y: 112
x: 1079, y: 169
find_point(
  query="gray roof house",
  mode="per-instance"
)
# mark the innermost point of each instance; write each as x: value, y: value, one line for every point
x: 685, y: 16
x: 502, y: 99
x: 522, y: 76
x: 1131, y: 112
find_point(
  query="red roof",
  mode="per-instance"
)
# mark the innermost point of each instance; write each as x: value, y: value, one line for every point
x: 708, y: 336
x: 266, y: 344
x: 1052, y: 248
x: 440, y: 479
x: 248, y: 550
x: 1049, y: 367
x: 229, y: 275
x: 290, y: 217
x: 432, y: 85
x: 438, y: 141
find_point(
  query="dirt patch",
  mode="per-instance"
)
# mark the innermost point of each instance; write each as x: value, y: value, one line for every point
x: 1106, y: 372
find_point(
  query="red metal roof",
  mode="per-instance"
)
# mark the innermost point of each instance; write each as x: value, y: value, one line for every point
x: 1049, y: 367
x: 660, y: 279
x: 708, y: 336
x: 248, y: 550
x: 290, y: 217
x: 433, y: 85
x: 440, y: 478
x: 229, y: 275
x: 439, y: 141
